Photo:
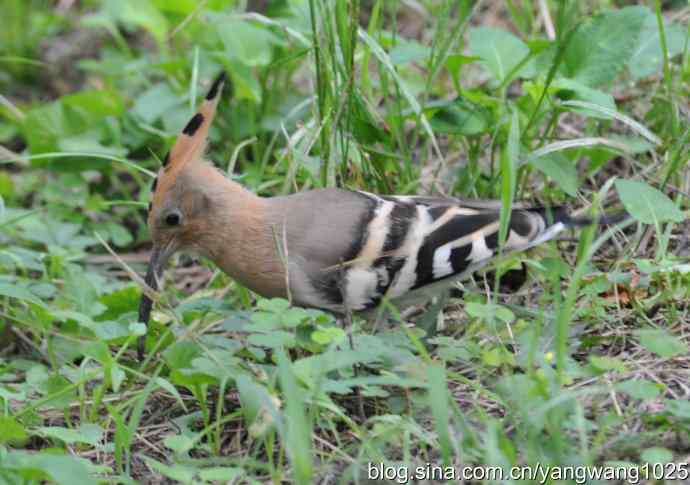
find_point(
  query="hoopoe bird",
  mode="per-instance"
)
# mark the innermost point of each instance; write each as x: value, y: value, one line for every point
x: 334, y: 249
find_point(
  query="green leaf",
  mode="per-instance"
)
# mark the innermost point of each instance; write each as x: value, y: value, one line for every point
x: 178, y: 473
x: 647, y: 204
x: 259, y: 408
x: 179, y: 443
x: 661, y: 342
x: 101, y: 103
x: 325, y: 336
x: 297, y: 434
x: 275, y: 339
x: 571, y: 89
x: 120, y: 302
x: 88, y: 433
x: 509, y: 162
x: 489, y: 311
x: 647, y: 57
x: 656, y: 454
x: 43, y: 126
x: 679, y: 408
x: 12, y: 431
x: 601, y: 47
x: 265, y: 321
x: 500, y: 52
x: 293, y: 317
x: 167, y: 386
x: 14, y: 291
x: 61, y: 469
x: 156, y: 101
x: 560, y: 169
x: 461, y: 117
x: 275, y: 305
x: 438, y: 401
x: 406, y: 51
x: 221, y: 474
x: 245, y: 42
x: 604, y: 363
x: 117, y: 377
x: 140, y: 13
x: 181, y: 354
x: 640, y: 388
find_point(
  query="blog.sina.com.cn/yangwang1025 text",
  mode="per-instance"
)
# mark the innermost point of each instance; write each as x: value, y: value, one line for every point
x: 539, y: 473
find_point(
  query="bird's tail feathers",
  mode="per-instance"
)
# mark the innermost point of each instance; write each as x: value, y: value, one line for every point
x: 553, y: 215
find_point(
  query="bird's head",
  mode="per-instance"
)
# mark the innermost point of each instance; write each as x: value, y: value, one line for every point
x: 181, y: 197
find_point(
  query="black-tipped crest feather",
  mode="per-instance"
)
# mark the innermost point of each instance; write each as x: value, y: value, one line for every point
x: 215, y: 86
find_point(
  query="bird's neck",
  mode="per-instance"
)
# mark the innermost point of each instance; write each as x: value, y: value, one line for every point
x: 240, y: 239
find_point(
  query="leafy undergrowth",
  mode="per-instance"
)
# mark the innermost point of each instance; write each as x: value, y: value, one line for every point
x: 553, y: 102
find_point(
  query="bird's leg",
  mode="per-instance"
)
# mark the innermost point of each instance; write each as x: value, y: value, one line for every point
x: 348, y: 325
x: 346, y: 306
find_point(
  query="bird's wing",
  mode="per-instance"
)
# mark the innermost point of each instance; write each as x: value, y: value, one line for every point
x: 365, y: 246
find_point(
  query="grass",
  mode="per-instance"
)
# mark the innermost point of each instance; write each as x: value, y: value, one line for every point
x: 554, y: 102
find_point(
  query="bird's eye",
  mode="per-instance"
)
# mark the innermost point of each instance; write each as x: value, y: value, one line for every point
x: 173, y: 219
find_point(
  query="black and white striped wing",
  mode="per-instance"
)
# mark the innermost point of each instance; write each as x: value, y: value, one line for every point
x: 410, y: 243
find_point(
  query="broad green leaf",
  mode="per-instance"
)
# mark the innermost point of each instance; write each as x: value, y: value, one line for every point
x: 246, y: 42
x: 501, y: 52
x: 221, y: 474
x: 181, y: 354
x: 108, y: 330
x: 461, y: 117
x: 139, y: 13
x: 408, y: 51
x: 561, y: 170
x: 276, y: 305
x: 438, y: 402
x: 647, y: 204
x: 167, y: 386
x: 14, y: 291
x: 297, y: 435
x: 117, y: 377
x: 12, y: 431
x: 309, y: 369
x: 604, y: 363
x: 179, y: 443
x: 88, y: 433
x: 254, y: 398
x: 120, y: 302
x: 274, y: 339
x: 648, y: 56
x: 88, y: 142
x: 656, y: 454
x: 245, y: 85
x: 293, y: 317
x: 661, y: 342
x: 178, y: 473
x: 265, y: 321
x: 102, y: 103
x: 640, y: 388
x: 678, y: 407
x: 156, y: 101
x: 601, y: 47
x: 60, y: 469
x: 571, y: 89
x: 325, y: 336
x: 182, y: 7
x: 43, y: 126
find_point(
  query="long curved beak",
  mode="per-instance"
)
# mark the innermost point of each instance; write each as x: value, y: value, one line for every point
x: 159, y: 257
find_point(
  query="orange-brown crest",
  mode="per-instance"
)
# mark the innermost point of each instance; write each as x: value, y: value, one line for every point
x: 188, y: 148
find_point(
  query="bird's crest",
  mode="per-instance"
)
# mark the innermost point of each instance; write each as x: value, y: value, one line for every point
x: 190, y: 144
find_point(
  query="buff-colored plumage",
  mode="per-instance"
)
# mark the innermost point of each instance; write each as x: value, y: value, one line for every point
x: 334, y: 249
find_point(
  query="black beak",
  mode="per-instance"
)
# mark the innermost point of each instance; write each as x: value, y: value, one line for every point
x: 153, y: 273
